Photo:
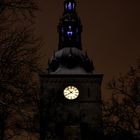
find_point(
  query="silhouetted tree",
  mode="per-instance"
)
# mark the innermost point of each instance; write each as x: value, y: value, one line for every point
x: 18, y: 67
x: 122, y: 113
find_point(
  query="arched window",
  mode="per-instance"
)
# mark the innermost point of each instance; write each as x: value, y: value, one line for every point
x: 70, y: 6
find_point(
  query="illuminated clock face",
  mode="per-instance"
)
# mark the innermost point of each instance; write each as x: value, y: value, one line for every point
x: 71, y: 92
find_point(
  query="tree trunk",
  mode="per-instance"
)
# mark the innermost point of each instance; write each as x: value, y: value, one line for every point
x: 2, y: 122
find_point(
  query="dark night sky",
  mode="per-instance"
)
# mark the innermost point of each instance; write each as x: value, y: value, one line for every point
x: 111, y: 32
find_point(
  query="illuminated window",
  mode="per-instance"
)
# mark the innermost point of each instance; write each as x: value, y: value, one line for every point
x: 70, y: 6
x: 70, y: 32
x: 70, y: 27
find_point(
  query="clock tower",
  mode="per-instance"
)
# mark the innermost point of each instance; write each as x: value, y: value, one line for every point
x: 70, y: 89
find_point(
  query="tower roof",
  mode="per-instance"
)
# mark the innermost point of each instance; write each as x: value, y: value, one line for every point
x: 70, y: 60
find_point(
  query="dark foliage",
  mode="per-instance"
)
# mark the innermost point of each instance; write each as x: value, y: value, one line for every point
x: 122, y: 113
x: 18, y: 67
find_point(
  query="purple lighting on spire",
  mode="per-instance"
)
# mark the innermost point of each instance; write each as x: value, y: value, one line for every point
x: 69, y: 33
x: 70, y: 6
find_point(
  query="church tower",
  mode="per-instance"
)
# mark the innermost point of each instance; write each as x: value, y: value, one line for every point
x: 70, y: 90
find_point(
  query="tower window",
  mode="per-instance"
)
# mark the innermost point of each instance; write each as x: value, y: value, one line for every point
x: 70, y: 27
x: 69, y: 33
x: 70, y: 6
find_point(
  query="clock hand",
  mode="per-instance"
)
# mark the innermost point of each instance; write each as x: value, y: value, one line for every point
x: 70, y: 92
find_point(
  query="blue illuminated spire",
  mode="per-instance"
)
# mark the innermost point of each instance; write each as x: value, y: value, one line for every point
x: 70, y: 27
x: 69, y: 54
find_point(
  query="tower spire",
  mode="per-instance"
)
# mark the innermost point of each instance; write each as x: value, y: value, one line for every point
x: 69, y: 27
x: 69, y: 57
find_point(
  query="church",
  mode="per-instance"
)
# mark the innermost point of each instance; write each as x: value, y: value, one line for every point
x: 70, y: 90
